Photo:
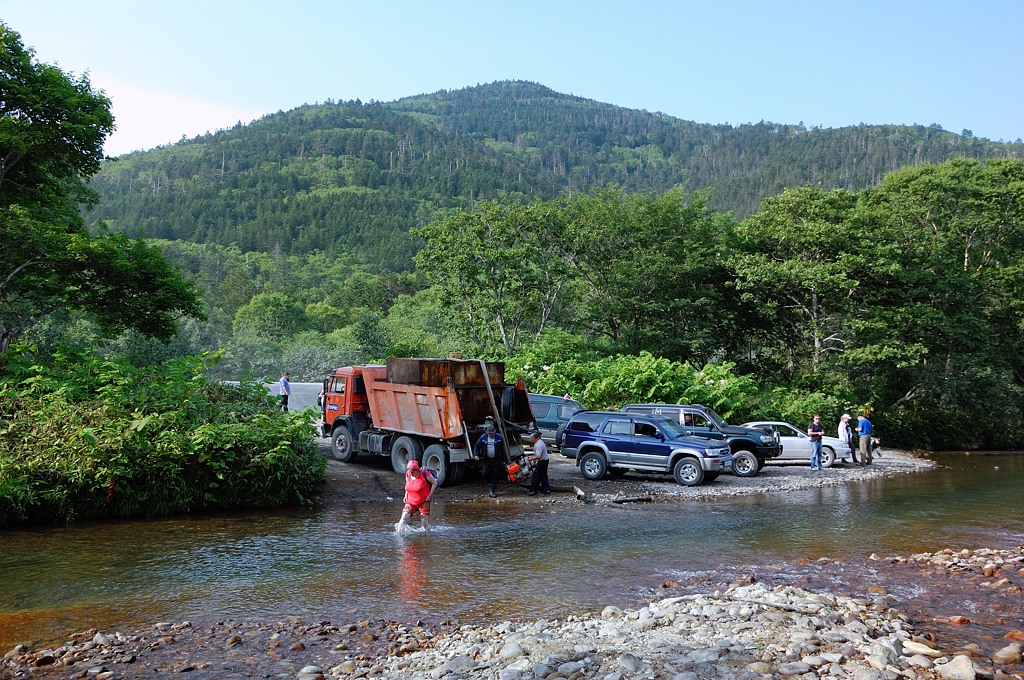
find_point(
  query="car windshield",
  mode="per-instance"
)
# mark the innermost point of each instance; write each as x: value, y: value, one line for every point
x: 715, y: 418
x: 672, y: 428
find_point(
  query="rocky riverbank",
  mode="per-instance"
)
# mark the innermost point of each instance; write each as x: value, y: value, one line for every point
x: 740, y: 630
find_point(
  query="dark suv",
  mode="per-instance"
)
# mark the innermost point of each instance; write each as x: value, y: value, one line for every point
x: 751, y: 447
x: 551, y: 413
x: 612, y: 442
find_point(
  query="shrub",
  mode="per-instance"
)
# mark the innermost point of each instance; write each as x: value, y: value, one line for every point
x: 83, y: 437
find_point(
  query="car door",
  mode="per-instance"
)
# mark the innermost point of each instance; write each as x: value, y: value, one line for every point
x: 617, y: 436
x: 796, y: 445
x: 649, y: 448
x: 698, y: 424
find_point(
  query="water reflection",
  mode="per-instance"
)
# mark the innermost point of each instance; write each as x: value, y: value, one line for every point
x: 482, y: 560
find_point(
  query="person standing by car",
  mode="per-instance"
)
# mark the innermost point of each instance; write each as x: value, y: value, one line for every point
x: 864, y: 430
x: 285, y: 389
x: 490, y: 450
x: 541, y: 461
x: 815, y: 430
x: 846, y: 435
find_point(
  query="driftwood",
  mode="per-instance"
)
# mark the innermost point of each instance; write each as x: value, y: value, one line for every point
x: 633, y: 499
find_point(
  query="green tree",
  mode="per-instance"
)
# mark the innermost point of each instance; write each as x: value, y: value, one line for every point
x: 272, y: 316
x: 649, y: 272
x: 51, y: 137
x: 498, y: 270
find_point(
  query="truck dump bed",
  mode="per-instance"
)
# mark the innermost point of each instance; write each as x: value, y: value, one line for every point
x: 432, y: 397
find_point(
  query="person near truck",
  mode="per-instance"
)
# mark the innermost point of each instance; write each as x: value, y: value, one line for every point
x: 490, y: 450
x: 864, y: 430
x: 541, y: 460
x: 420, y: 485
x: 285, y: 389
x: 846, y: 434
x: 815, y: 430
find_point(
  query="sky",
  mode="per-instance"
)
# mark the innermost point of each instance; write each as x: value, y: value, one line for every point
x: 179, y: 69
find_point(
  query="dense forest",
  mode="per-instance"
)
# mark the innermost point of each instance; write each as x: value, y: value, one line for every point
x: 353, y: 178
x: 770, y: 271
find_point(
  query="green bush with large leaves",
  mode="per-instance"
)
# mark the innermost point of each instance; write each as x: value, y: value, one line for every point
x: 83, y: 437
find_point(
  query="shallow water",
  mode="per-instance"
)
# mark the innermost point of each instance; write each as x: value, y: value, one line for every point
x: 484, y: 560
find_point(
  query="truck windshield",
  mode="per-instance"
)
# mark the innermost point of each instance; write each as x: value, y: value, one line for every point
x: 715, y: 418
x: 672, y: 428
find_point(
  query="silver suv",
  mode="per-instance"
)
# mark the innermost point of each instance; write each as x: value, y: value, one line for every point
x: 612, y: 442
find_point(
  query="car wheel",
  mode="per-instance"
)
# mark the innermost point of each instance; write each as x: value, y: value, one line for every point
x: 402, y: 451
x: 828, y: 457
x: 744, y: 464
x: 435, y: 457
x: 342, y: 446
x: 593, y: 466
x: 688, y: 472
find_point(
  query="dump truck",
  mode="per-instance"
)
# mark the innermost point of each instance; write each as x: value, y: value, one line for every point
x: 429, y: 410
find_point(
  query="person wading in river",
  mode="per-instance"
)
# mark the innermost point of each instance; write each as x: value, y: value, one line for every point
x: 419, y: 489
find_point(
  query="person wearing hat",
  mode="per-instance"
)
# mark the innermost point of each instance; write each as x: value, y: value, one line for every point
x: 419, y: 489
x: 490, y: 451
x: 846, y: 435
x: 541, y: 460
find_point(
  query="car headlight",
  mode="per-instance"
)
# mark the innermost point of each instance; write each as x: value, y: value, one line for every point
x: 766, y: 439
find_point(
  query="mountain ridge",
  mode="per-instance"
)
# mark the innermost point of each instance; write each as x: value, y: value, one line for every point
x: 353, y: 177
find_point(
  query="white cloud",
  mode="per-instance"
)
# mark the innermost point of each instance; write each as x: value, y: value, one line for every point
x: 146, y: 118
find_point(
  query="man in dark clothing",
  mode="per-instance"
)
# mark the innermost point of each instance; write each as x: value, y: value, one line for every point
x: 490, y: 450
x: 815, y: 430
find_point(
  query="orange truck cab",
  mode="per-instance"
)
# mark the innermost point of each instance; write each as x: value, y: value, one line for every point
x: 430, y: 410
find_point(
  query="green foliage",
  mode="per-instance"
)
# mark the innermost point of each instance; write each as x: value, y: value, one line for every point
x: 51, y: 139
x: 348, y: 178
x: 84, y: 437
x: 612, y: 382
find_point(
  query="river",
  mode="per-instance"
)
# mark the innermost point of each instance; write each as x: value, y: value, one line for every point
x: 483, y: 561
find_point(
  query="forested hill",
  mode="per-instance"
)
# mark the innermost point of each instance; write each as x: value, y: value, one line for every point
x: 354, y: 177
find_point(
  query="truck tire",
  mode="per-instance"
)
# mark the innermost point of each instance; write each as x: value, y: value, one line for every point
x: 593, y: 466
x: 508, y: 403
x: 456, y: 473
x: 435, y: 457
x: 343, y: 447
x: 744, y: 464
x: 402, y: 451
x: 688, y: 472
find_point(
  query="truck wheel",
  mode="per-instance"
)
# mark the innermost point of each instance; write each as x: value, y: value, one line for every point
x: 402, y: 451
x: 435, y: 457
x: 342, y: 446
x: 507, y: 403
x: 688, y: 472
x: 456, y: 473
x: 593, y: 466
x: 828, y: 457
x: 744, y: 464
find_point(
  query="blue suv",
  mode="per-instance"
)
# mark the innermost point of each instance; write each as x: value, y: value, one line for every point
x: 612, y: 442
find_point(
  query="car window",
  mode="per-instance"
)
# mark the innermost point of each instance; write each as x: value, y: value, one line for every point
x: 541, y: 410
x: 586, y: 422
x: 565, y: 411
x: 618, y: 427
x: 696, y: 420
x: 339, y: 386
x: 644, y: 430
x: 787, y: 431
